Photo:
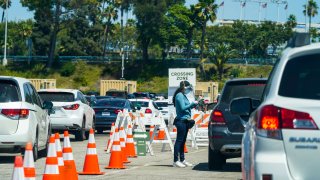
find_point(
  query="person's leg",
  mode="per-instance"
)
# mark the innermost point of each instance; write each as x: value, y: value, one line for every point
x: 179, y: 140
x: 184, y: 136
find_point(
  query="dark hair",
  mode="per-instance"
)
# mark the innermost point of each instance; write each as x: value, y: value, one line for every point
x: 183, y: 84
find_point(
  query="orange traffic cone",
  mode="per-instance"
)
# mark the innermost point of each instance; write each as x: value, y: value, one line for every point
x: 115, y: 161
x: 161, y: 134
x: 185, y: 148
x: 28, y: 163
x: 51, y: 171
x: 110, y: 137
x: 91, y: 162
x: 174, y: 129
x: 59, y: 155
x: 70, y: 170
x: 18, y: 172
x: 151, y: 132
x: 123, y: 145
x: 131, y: 151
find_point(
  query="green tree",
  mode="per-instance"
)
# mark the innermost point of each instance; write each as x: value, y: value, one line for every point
x: 219, y: 57
x: 312, y: 10
x: 291, y: 21
x: 3, y: 4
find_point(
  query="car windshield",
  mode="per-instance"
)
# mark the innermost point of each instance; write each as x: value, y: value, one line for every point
x: 301, y: 78
x: 57, y: 96
x: 8, y: 91
x: 236, y: 89
x: 116, y: 94
x: 140, y: 95
x: 140, y: 103
x: 162, y: 104
x: 110, y: 103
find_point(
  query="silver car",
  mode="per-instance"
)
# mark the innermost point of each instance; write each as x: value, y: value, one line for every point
x: 24, y: 116
x: 282, y: 138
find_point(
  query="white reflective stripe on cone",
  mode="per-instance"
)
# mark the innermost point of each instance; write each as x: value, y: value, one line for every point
x: 58, y: 145
x: 116, y: 148
x: 60, y: 161
x: 52, y: 151
x: 91, y: 151
x: 18, y: 173
x: 130, y: 140
x: 66, y: 142
x: 28, y: 159
x: 51, y: 169
x: 29, y: 178
x: 67, y: 156
x: 123, y: 144
x: 91, y: 139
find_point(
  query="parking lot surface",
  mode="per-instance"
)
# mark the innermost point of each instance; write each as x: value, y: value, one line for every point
x: 154, y: 167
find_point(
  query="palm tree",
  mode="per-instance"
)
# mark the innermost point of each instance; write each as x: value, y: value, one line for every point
x: 292, y: 21
x: 219, y: 57
x: 3, y: 4
x: 312, y: 10
x: 205, y: 11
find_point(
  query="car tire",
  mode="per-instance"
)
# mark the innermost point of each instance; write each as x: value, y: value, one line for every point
x: 35, y: 149
x: 80, y: 135
x: 216, y: 160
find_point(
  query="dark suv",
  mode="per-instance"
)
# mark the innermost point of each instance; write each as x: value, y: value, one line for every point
x: 226, y: 129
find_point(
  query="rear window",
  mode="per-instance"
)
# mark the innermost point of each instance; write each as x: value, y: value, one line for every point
x: 57, y: 96
x: 110, y: 103
x: 141, y: 95
x: 162, y: 104
x: 140, y: 103
x: 116, y: 94
x: 301, y: 78
x: 9, y: 91
x: 236, y: 89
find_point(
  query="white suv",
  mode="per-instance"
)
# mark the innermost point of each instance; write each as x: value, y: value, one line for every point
x: 71, y: 111
x: 23, y: 116
x: 282, y: 137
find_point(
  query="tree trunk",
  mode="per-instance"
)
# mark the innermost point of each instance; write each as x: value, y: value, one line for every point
x: 53, y: 36
x: 145, y: 47
x: 309, y: 23
x: 190, y: 35
x: 203, y: 40
x: 2, y: 16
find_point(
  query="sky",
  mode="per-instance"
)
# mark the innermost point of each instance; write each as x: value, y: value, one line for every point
x: 230, y: 10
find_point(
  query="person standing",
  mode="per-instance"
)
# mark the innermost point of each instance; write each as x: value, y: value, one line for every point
x: 182, y: 122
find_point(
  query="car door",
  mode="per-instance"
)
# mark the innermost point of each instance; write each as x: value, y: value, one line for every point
x: 87, y: 110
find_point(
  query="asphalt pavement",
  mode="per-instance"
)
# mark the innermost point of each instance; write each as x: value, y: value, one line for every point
x: 147, y: 167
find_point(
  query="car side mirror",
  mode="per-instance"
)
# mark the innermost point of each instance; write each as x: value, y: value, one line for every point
x: 160, y: 108
x: 241, y: 106
x: 47, y: 105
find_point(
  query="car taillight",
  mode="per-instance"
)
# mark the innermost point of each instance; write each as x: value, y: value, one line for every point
x: 217, y: 118
x: 72, y: 107
x: 117, y: 111
x: 16, y: 114
x: 272, y: 119
x: 148, y: 111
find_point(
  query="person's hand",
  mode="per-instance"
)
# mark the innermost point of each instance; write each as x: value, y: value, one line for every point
x: 195, y: 102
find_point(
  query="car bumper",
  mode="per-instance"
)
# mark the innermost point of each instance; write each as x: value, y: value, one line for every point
x: 226, y: 142
x: 104, y: 123
x: 14, y: 142
x: 66, y: 123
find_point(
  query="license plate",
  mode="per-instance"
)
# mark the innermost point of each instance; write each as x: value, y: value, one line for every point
x: 105, y: 113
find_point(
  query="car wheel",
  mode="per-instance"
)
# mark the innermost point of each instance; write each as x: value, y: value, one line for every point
x: 80, y: 135
x: 216, y: 160
x: 35, y: 149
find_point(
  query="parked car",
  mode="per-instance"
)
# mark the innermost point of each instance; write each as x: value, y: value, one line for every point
x: 281, y: 140
x: 226, y: 129
x: 71, y: 111
x: 142, y: 95
x: 24, y: 117
x: 117, y: 93
x: 103, y: 97
x: 107, y: 111
x: 164, y: 105
x: 146, y: 105
x: 91, y: 99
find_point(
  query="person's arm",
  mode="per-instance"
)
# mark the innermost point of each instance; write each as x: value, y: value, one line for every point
x: 180, y: 102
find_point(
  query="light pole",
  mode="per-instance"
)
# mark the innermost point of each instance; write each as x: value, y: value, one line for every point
x: 305, y: 18
x: 5, y: 61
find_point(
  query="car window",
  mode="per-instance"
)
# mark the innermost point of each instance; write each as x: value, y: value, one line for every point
x: 82, y: 98
x: 34, y: 95
x: 162, y: 104
x: 301, y: 78
x: 140, y: 103
x: 141, y: 95
x: 27, y: 94
x: 155, y: 105
x: 116, y: 94
x: 57, y: 96
x: 236, y: 89
x: 270, y: 79
x: 38, y: 99
x: 110, y: 103
x: 9, y: 91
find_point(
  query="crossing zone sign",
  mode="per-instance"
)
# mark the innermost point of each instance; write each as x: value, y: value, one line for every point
x: 182, y: 74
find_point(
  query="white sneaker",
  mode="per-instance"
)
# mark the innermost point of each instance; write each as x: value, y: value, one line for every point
x: 179, y: 164
x: 187, y: 163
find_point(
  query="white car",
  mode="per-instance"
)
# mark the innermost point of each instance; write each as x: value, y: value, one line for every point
x: 164, y: 104
x: 147, y: 105
x: 282, y: 136
x: 24, y: 117
x: 71, y: 111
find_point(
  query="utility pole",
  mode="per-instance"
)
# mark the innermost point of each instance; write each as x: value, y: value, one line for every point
x: 5, y: 61
x: 305, y: 18
x: 122, y: 44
